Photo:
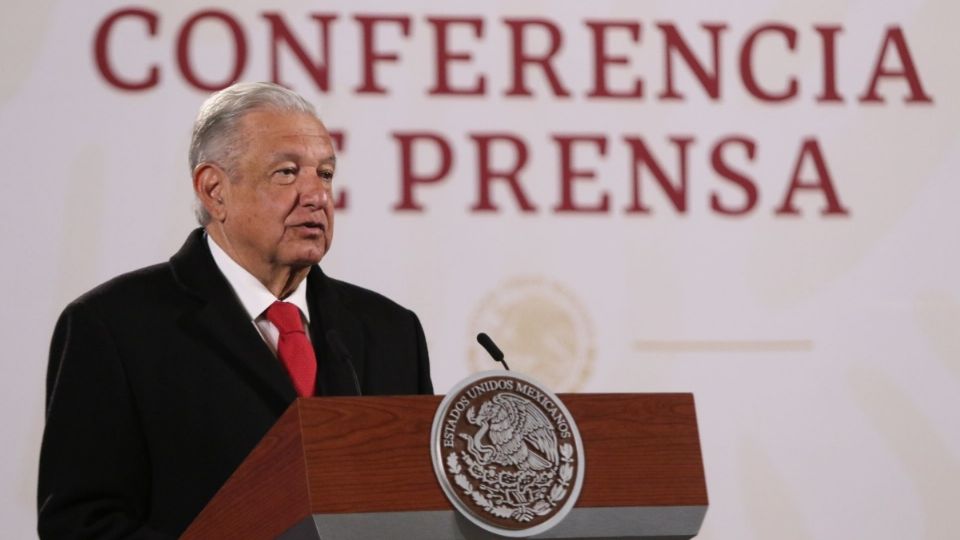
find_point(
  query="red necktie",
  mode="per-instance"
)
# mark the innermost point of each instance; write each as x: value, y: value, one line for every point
x: 293, y: 347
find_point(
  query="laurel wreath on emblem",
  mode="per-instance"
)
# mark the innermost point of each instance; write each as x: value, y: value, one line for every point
x: 524, y: 473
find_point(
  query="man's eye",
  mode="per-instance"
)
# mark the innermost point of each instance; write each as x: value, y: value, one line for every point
x: 286, y: 175
x: 326, y: 175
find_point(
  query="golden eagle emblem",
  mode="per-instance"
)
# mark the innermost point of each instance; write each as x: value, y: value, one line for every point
x: 521, y: 435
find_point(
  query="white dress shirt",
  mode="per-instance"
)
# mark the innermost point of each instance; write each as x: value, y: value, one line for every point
x: 256, y: 298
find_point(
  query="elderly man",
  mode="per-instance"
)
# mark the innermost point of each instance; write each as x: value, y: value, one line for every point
x: 162, y: 380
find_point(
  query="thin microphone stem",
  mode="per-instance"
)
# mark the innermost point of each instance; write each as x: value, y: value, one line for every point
x: 340, y: 350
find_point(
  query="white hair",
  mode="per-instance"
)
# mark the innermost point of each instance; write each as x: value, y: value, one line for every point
x: 215, y: 134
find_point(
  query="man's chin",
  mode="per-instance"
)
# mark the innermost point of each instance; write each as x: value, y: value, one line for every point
x: 303, y: 258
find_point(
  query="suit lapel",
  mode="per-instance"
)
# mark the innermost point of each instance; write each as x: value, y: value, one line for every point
x: 329, y: 311
x: 222, y: 323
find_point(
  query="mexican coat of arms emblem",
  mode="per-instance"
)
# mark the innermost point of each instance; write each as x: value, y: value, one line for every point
x: 507, y: 454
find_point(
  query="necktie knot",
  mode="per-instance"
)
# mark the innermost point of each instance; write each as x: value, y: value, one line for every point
x: 285, y: 316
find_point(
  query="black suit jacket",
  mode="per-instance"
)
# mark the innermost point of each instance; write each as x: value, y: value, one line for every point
x: 159, y: 386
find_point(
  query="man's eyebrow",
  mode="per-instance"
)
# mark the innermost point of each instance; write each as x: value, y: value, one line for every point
x: 291, y: 156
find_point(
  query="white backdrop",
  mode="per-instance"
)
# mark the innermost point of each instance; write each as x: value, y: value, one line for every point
x: 823, y: 349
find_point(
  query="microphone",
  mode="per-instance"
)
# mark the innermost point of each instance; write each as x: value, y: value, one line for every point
x: 343, y: 355
x: 492, y: 349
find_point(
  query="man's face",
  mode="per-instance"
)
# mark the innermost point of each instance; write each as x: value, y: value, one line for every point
x: 279, y: 202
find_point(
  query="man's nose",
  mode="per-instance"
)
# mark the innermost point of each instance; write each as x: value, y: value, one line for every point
x: 314, y: 191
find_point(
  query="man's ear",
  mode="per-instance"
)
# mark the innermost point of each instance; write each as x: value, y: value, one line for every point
x: 209, y: 183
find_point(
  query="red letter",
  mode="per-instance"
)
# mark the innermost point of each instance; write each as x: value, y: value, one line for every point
x: 601, y: 59
x: 568, y: 174
x: 409, y: 177
x: 280, y: 32
x: 445, y: 57
x: 822, y: 183
x: 746, y: 61
x: 641, y: 155
x: 100, y: 50
x: 908, y: 71
x: 675, y: 42
x: 828, y: 35
x: 486, y: 173
x: 367, y: 22
x: 521, y: 58
x: 736, y: 177
x: 339, y: 143
x: 239, y: 45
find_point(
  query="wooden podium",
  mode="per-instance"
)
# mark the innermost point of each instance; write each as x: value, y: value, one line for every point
x: 360, y: 468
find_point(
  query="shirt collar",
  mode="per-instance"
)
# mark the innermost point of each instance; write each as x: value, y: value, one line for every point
x: 254, y: 297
